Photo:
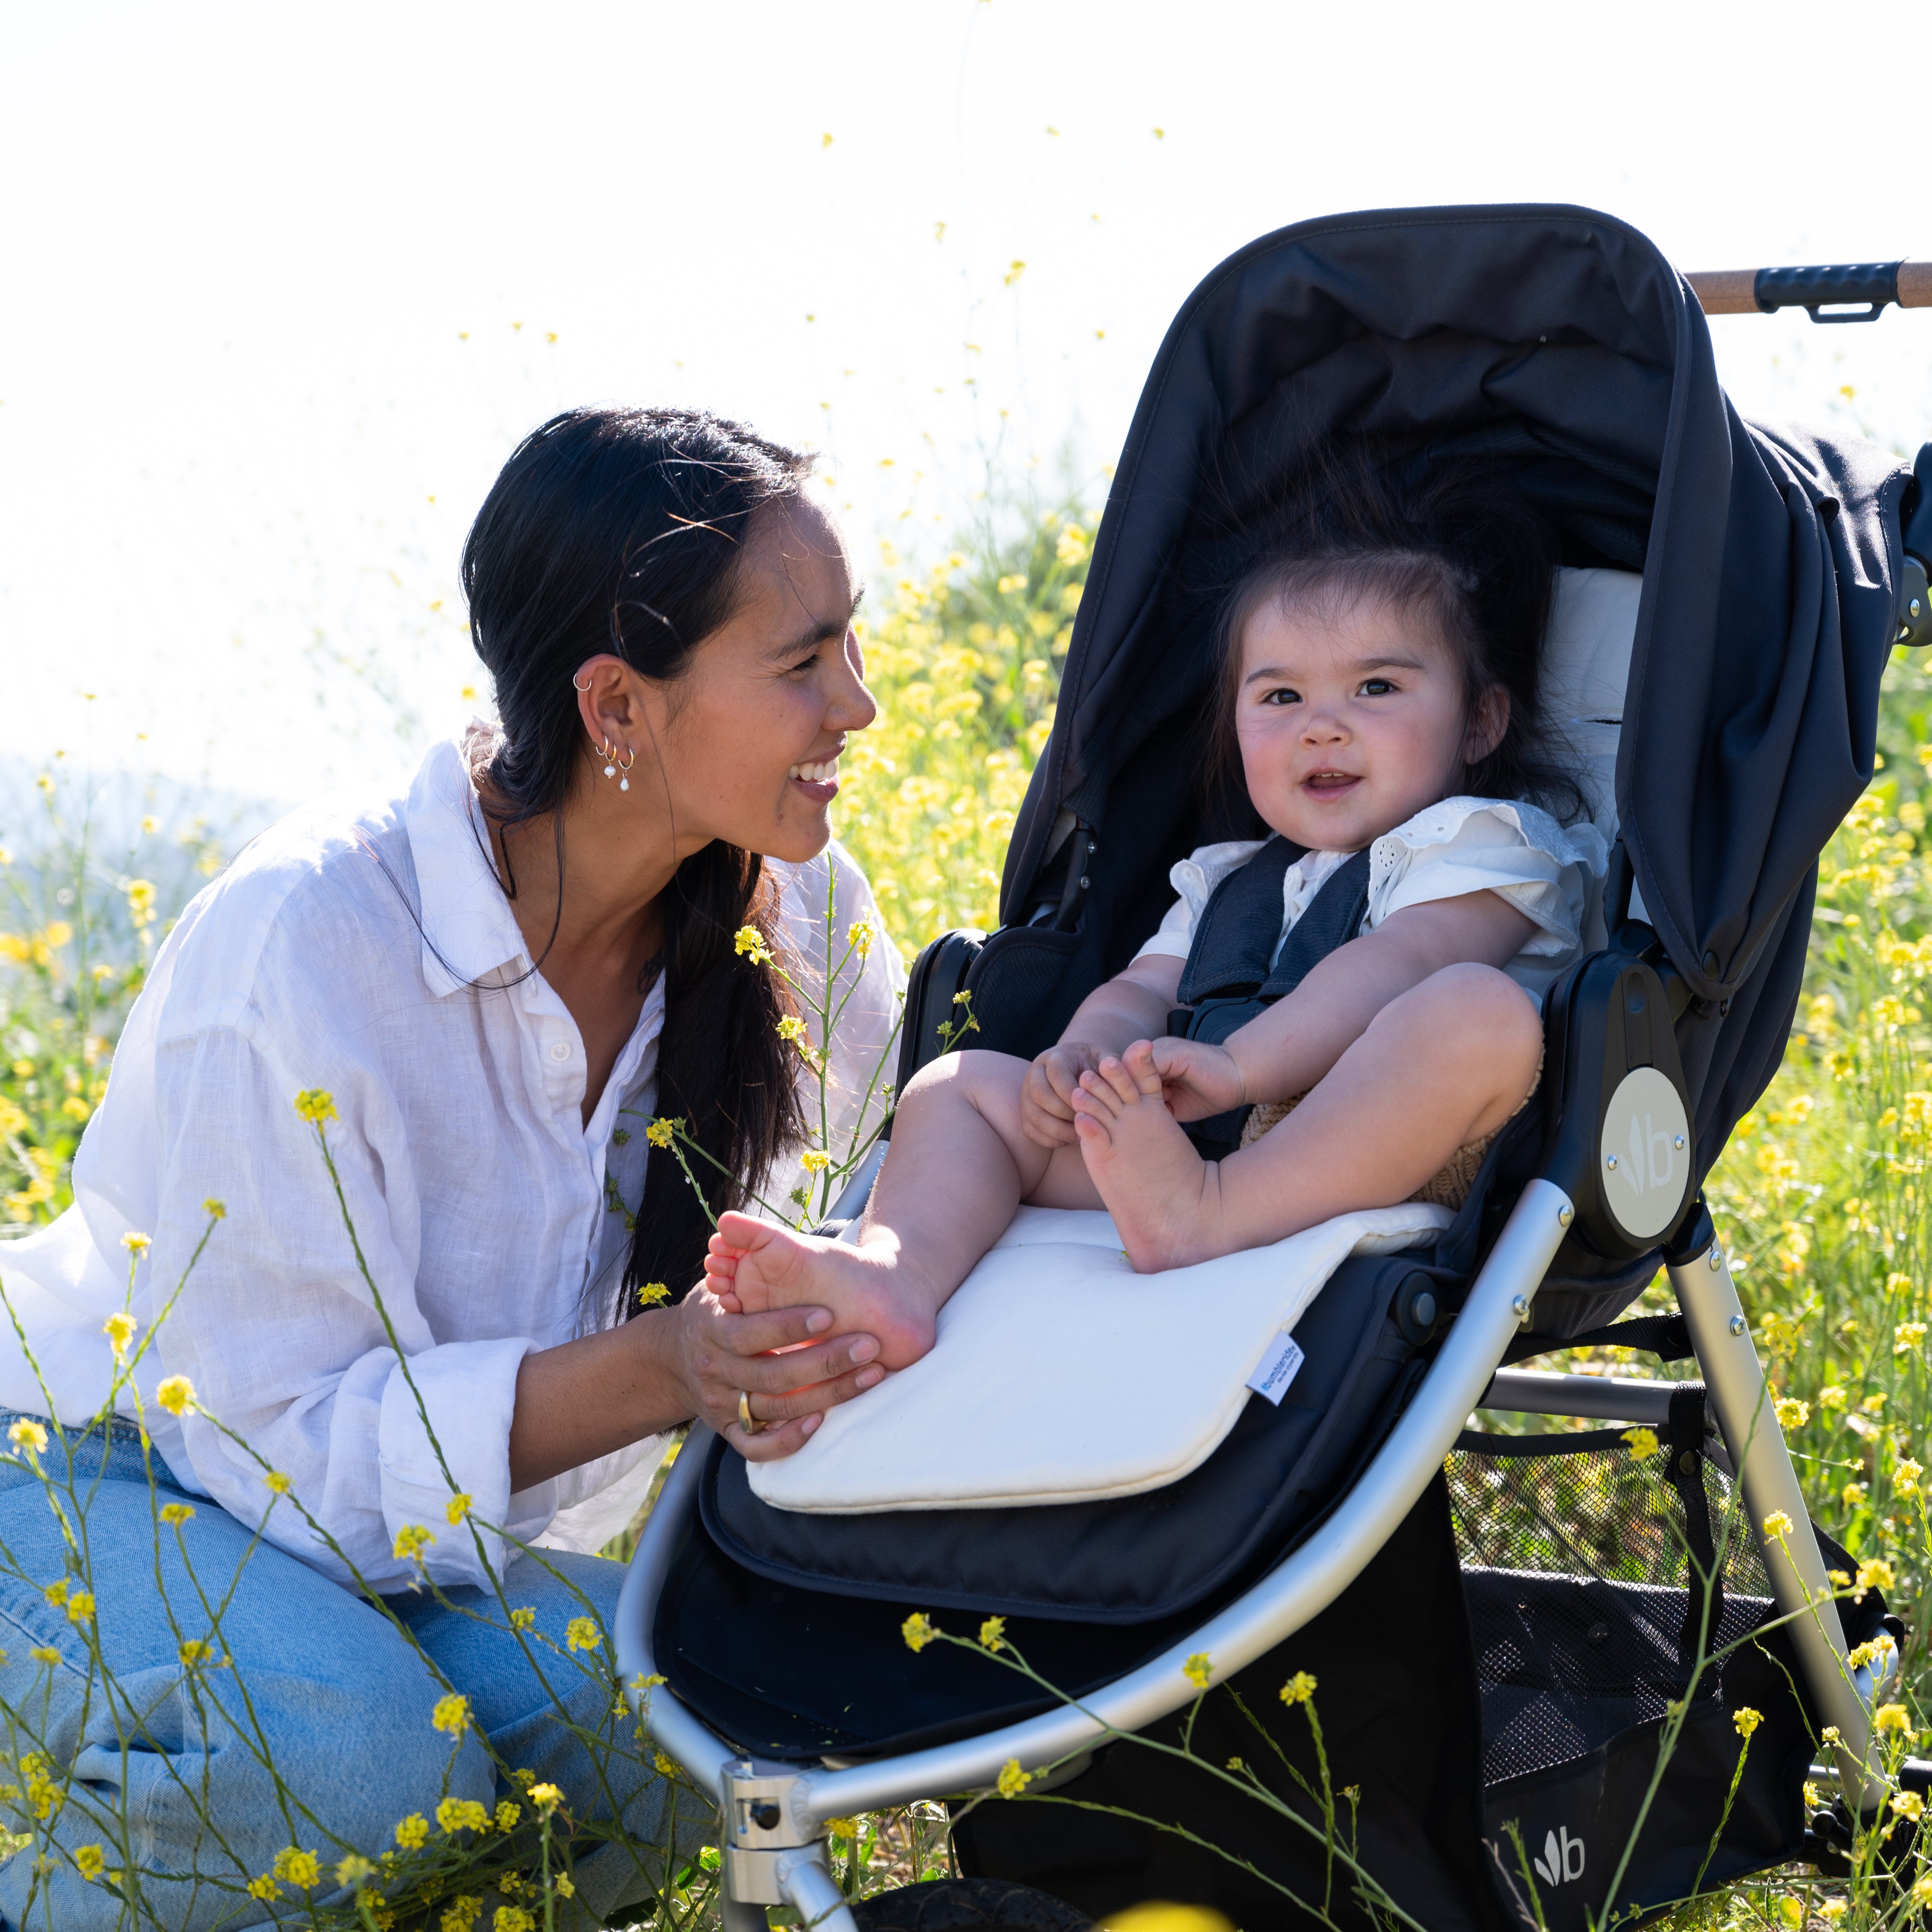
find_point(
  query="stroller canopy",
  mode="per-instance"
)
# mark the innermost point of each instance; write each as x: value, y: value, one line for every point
x: 1559, y: 345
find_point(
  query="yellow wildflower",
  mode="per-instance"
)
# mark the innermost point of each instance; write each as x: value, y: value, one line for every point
x: 195, y: 1650
x: 651, y: 1293
x: 546, y: 1798
x: 411, y: 1541
x: 1777, y: 1525
x: 512, y: 1918
x: 1745, y: 1720
x: 1642, y: 1443
x: 667, y: 1765
x: 1875, y: 1574
x: 80, y: 1606
x: 215, y: 1210
x: 457, y: 1508
x: 1791, y: 1414
x: 1905, y: 1475
x: 659, y: 1133
x: 461, y: 1913
x: 1892, y: 1718
x: 462, y: 1814
x: 863, y: 936
x: 451, y: 1714
x: 137, y: 1245
x: 141, y: 901
x: 1198, y: 1669
x: 918, y: 1629
x: 55, y: 1592
x: 582, y: 1633
x: 1906, y: 1337
x: 1012, y: 1780
x: 814, y: 1160
x: 792, y: 1028
x: 176, y: 1513
x: 90, y: 1861
x: 1299, y: 1689
x: 507, y: 1815
x: 294, y: 1866
x: 413, y: 1832
x: 1832, y: 1396
x: 176, y: 1394
x: 119, y: 1330
x: 522, y: 1617
x: 354, y: 1869
x: 264, y: 1888
x: 750, y: 944
x: 1852, y: 1494
x: 276, y: 1483
x: 28, y: 1434
x: 992, y: 1633
x: 317, y: 1105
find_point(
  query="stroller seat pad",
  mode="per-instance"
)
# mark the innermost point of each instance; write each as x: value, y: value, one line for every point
x: 1061, y: 1375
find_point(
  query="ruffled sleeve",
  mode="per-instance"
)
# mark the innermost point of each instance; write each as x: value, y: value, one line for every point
x: 1498, y: 845
x: 1195, y: 878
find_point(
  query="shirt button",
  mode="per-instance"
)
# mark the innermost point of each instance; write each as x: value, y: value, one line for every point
x: 559, y: 1049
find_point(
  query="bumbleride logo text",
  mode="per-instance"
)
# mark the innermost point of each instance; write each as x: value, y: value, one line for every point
x: 1562, y: 1858
x: 1645, y: 1141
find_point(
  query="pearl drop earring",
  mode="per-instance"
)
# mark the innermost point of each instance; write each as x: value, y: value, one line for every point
x: 625, y: 765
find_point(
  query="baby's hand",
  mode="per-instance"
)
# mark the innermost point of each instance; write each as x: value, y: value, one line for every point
x: 1046, y: 1099
x: 1197, y: 1081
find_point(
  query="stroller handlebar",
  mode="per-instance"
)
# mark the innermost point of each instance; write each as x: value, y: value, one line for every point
x: 1833, y: 287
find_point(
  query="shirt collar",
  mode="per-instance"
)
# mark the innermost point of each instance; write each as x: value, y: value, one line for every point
x: 468, y: 927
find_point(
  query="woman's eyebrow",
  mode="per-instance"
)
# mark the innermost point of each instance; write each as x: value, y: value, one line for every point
x: 810, y: 640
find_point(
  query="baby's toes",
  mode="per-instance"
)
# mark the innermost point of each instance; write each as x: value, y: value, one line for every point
x: 1125, y: 1089
x: 1139, y: 1062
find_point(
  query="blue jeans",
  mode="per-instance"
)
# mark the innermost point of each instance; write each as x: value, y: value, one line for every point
x: 170, y: 1767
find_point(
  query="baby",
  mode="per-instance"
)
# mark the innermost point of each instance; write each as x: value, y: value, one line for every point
x: 1377, y: 696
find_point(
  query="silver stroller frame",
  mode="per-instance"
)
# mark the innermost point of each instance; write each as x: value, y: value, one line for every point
x: 773, y: 1837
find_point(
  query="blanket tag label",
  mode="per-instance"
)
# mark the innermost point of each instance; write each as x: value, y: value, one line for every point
x: 1277, y: 1367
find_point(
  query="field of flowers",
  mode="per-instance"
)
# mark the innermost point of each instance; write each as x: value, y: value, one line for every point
x: 1823, y: 1195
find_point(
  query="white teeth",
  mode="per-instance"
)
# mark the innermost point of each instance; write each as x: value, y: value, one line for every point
x: 822, y: 773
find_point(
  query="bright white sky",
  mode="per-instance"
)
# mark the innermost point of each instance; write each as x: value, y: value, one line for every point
x: 241, y: 432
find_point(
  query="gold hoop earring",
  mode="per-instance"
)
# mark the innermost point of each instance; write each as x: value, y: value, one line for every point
x: 624, y: 765
x: 607, y: 751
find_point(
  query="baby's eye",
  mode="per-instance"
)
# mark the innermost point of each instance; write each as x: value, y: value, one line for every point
x: 1376, y: 687
x: 1281, y: 694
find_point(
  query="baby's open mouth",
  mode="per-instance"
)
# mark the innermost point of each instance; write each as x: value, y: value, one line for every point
x: 1330, y: 782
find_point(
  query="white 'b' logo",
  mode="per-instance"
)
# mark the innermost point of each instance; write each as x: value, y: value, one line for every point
x: 1645, y: 1153
x: 1562, y: 1858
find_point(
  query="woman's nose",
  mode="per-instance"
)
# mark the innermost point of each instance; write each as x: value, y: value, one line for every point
x: 851, y: 707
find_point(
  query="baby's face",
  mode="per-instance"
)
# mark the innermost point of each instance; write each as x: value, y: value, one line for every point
x: 1352, y: 720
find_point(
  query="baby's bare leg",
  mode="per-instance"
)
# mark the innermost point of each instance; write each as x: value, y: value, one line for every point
x: 958, y: 1166
x: 1447, y: 1062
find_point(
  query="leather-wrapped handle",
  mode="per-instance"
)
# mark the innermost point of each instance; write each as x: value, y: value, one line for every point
x: 1760, y: 291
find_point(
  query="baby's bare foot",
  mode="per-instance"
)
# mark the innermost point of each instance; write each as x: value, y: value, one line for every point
x: 762, y: 1267
x: 1158, y: 1189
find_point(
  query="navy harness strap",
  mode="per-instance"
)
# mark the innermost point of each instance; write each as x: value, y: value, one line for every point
x: 1228, y: 979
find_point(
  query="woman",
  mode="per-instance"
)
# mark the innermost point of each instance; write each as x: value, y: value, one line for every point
x: 484, y: 991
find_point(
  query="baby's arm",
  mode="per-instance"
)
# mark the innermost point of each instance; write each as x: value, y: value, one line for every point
x: 1286, y: 1050
x: 1133, y: 1005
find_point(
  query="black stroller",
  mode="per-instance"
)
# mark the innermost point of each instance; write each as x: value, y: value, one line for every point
x: 1501, y: 1625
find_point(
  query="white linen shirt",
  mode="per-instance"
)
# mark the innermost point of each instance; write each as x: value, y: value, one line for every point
x: 1460, y: 845
x: 478, y: 1193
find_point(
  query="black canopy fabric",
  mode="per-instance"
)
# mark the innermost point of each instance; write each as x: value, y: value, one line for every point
x: 1558, y: 344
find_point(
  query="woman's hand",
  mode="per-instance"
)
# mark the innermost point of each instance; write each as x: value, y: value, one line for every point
x: 724, y: 1354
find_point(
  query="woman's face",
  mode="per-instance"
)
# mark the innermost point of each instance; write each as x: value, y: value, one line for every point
x: 749, y: 737
x: 1353, y: 719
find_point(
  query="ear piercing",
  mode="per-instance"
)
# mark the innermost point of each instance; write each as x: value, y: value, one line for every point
x: 624, y: 765
x: 612, y: 764
x: 607, y: 751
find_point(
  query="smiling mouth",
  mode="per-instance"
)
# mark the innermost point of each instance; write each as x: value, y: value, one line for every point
x: 824, y: 772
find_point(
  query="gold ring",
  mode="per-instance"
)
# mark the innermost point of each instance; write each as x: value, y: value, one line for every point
x: 750, y: 1427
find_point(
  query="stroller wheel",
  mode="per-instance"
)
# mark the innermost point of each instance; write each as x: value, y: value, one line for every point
x: 968, y: 1905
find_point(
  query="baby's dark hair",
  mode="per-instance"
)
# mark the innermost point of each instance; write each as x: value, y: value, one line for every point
x: 1356, y: 525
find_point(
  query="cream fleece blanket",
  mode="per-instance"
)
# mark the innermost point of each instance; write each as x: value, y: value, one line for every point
x: 1061, y: 1376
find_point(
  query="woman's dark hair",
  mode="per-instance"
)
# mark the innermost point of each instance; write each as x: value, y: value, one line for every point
x: 625, y: 531
x: 1475, y: 558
